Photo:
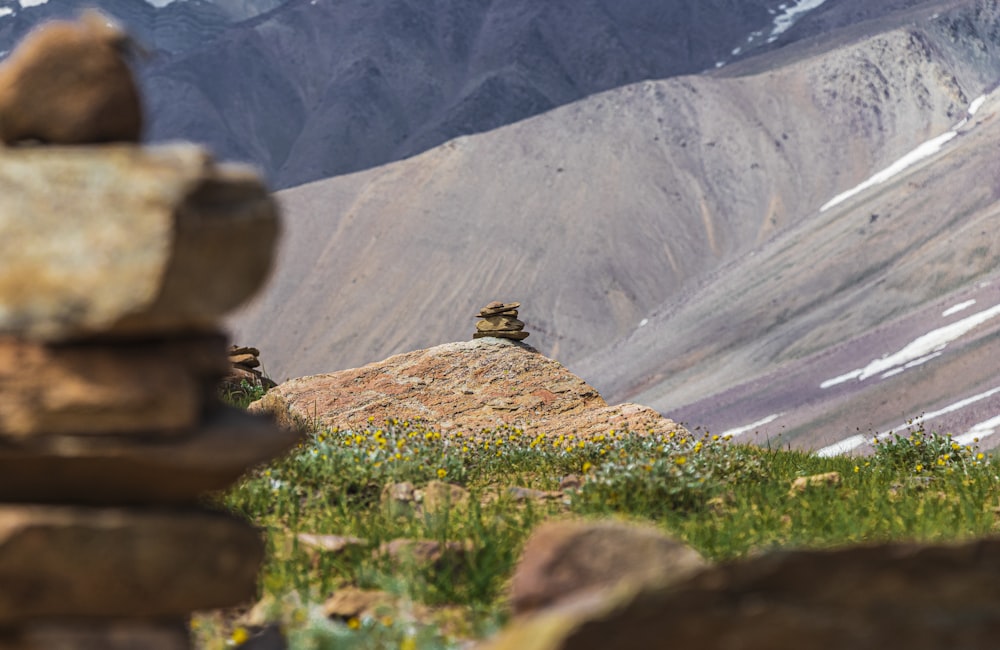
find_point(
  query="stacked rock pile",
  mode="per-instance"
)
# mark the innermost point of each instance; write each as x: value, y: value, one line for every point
x: 499, y: 320
x: 245, y: 367
x: 118, y: 263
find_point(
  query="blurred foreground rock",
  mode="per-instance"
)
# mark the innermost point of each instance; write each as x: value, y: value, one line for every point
x: 118, y: 264
x: 914, y: 596
x: 467, y: 386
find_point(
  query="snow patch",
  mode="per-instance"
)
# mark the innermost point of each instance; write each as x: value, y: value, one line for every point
x: 31, y: 3
x: 783, y: 22
x: 644, y: 322
x: 976, y: 104
x: 842, y: 447
x: 6, y: 11
x: 925, y: 150
x: 750, y: 427
x: 920, y: 350
x: 856, y: 441
x: 979, y: 431
x: 957, y: 308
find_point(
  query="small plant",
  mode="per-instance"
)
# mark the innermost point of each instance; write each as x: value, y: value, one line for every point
x: 241, y: 395
x: 920, y: 452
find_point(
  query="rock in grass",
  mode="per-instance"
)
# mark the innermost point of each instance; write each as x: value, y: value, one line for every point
x: 914, y: 596
x: 121, y: 240
x: 69, y: 83
x: 563, y: 559
x: 803, y: 483
x: 62, y: 562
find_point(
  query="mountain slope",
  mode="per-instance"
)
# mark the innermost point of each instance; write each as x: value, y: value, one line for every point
x: 598, y: 213
x: 355, y: 84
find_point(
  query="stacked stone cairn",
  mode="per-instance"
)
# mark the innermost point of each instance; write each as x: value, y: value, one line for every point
x: 245, y: 367
x: 499, y: 320
x: 117, y: 263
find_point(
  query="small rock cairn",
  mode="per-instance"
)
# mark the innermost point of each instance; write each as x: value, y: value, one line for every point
x: 245, y: 364
x: 499, y: 320
x: 117, y: 263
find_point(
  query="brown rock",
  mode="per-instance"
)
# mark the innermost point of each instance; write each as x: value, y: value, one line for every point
x: 497, y: 307
x: 107, y: 389
x: 803, y: 483
x: 245, y: 360
x: 82, y: 257
x: 457, y: 386
x: 117, y: 635
x: 919, y: 597
x: 449, y: 557
x: 66, y: 562
x: 500, y: 324
x: 137, y: 468
x: 399, y: 499
x: 512, y: 335
x: 236, y: 350
x: 563, y: 559
x: 351, y: 602
x: 233, y: 382
x: 438, y: 495
x: 69, y: 83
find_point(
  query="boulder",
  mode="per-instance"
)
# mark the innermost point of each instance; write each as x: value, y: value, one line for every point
x: 140, y: 468
x: 466, y: 386
x: 119, y: 240
x: 69, y: 83
x: 107, y: 389
x: 79, y: 563
x: 563, y: 559
x: 914, y: 596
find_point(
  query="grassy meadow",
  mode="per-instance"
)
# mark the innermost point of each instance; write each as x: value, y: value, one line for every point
x: 724, y: 498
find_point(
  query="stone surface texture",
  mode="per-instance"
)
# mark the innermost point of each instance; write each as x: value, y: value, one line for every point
x: 140, y: 467
x: 105, y: 388
x: 70, y: 83
x: 98, y: 636
x: 121, y: 239
x: 563, y: 559
x: 922, y: 597
x: 74, y: 562
x: 467, y: 386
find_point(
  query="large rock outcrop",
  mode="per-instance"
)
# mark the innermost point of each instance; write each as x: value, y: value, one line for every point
x: 466, y: 386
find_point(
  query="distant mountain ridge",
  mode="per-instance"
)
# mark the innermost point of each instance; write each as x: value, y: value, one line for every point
x: 307, y: 89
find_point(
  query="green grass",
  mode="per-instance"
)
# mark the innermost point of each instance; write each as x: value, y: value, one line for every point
x: 724, y: 499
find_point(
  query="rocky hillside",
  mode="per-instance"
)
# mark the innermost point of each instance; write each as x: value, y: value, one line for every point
x: 611, y: 215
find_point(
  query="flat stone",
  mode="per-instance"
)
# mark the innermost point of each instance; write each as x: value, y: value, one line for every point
x: 112, y: 635
x: 76, y: 562
x: 514, y: 336
x: 68, y: 82
x: 104, y: 388
x: 351, y: 602
x: 245, y: 360
x: 125, y: 240
x: 500, y: 323
x: 136, y: 468
x: 496, y: 307
x: 242, y: 349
